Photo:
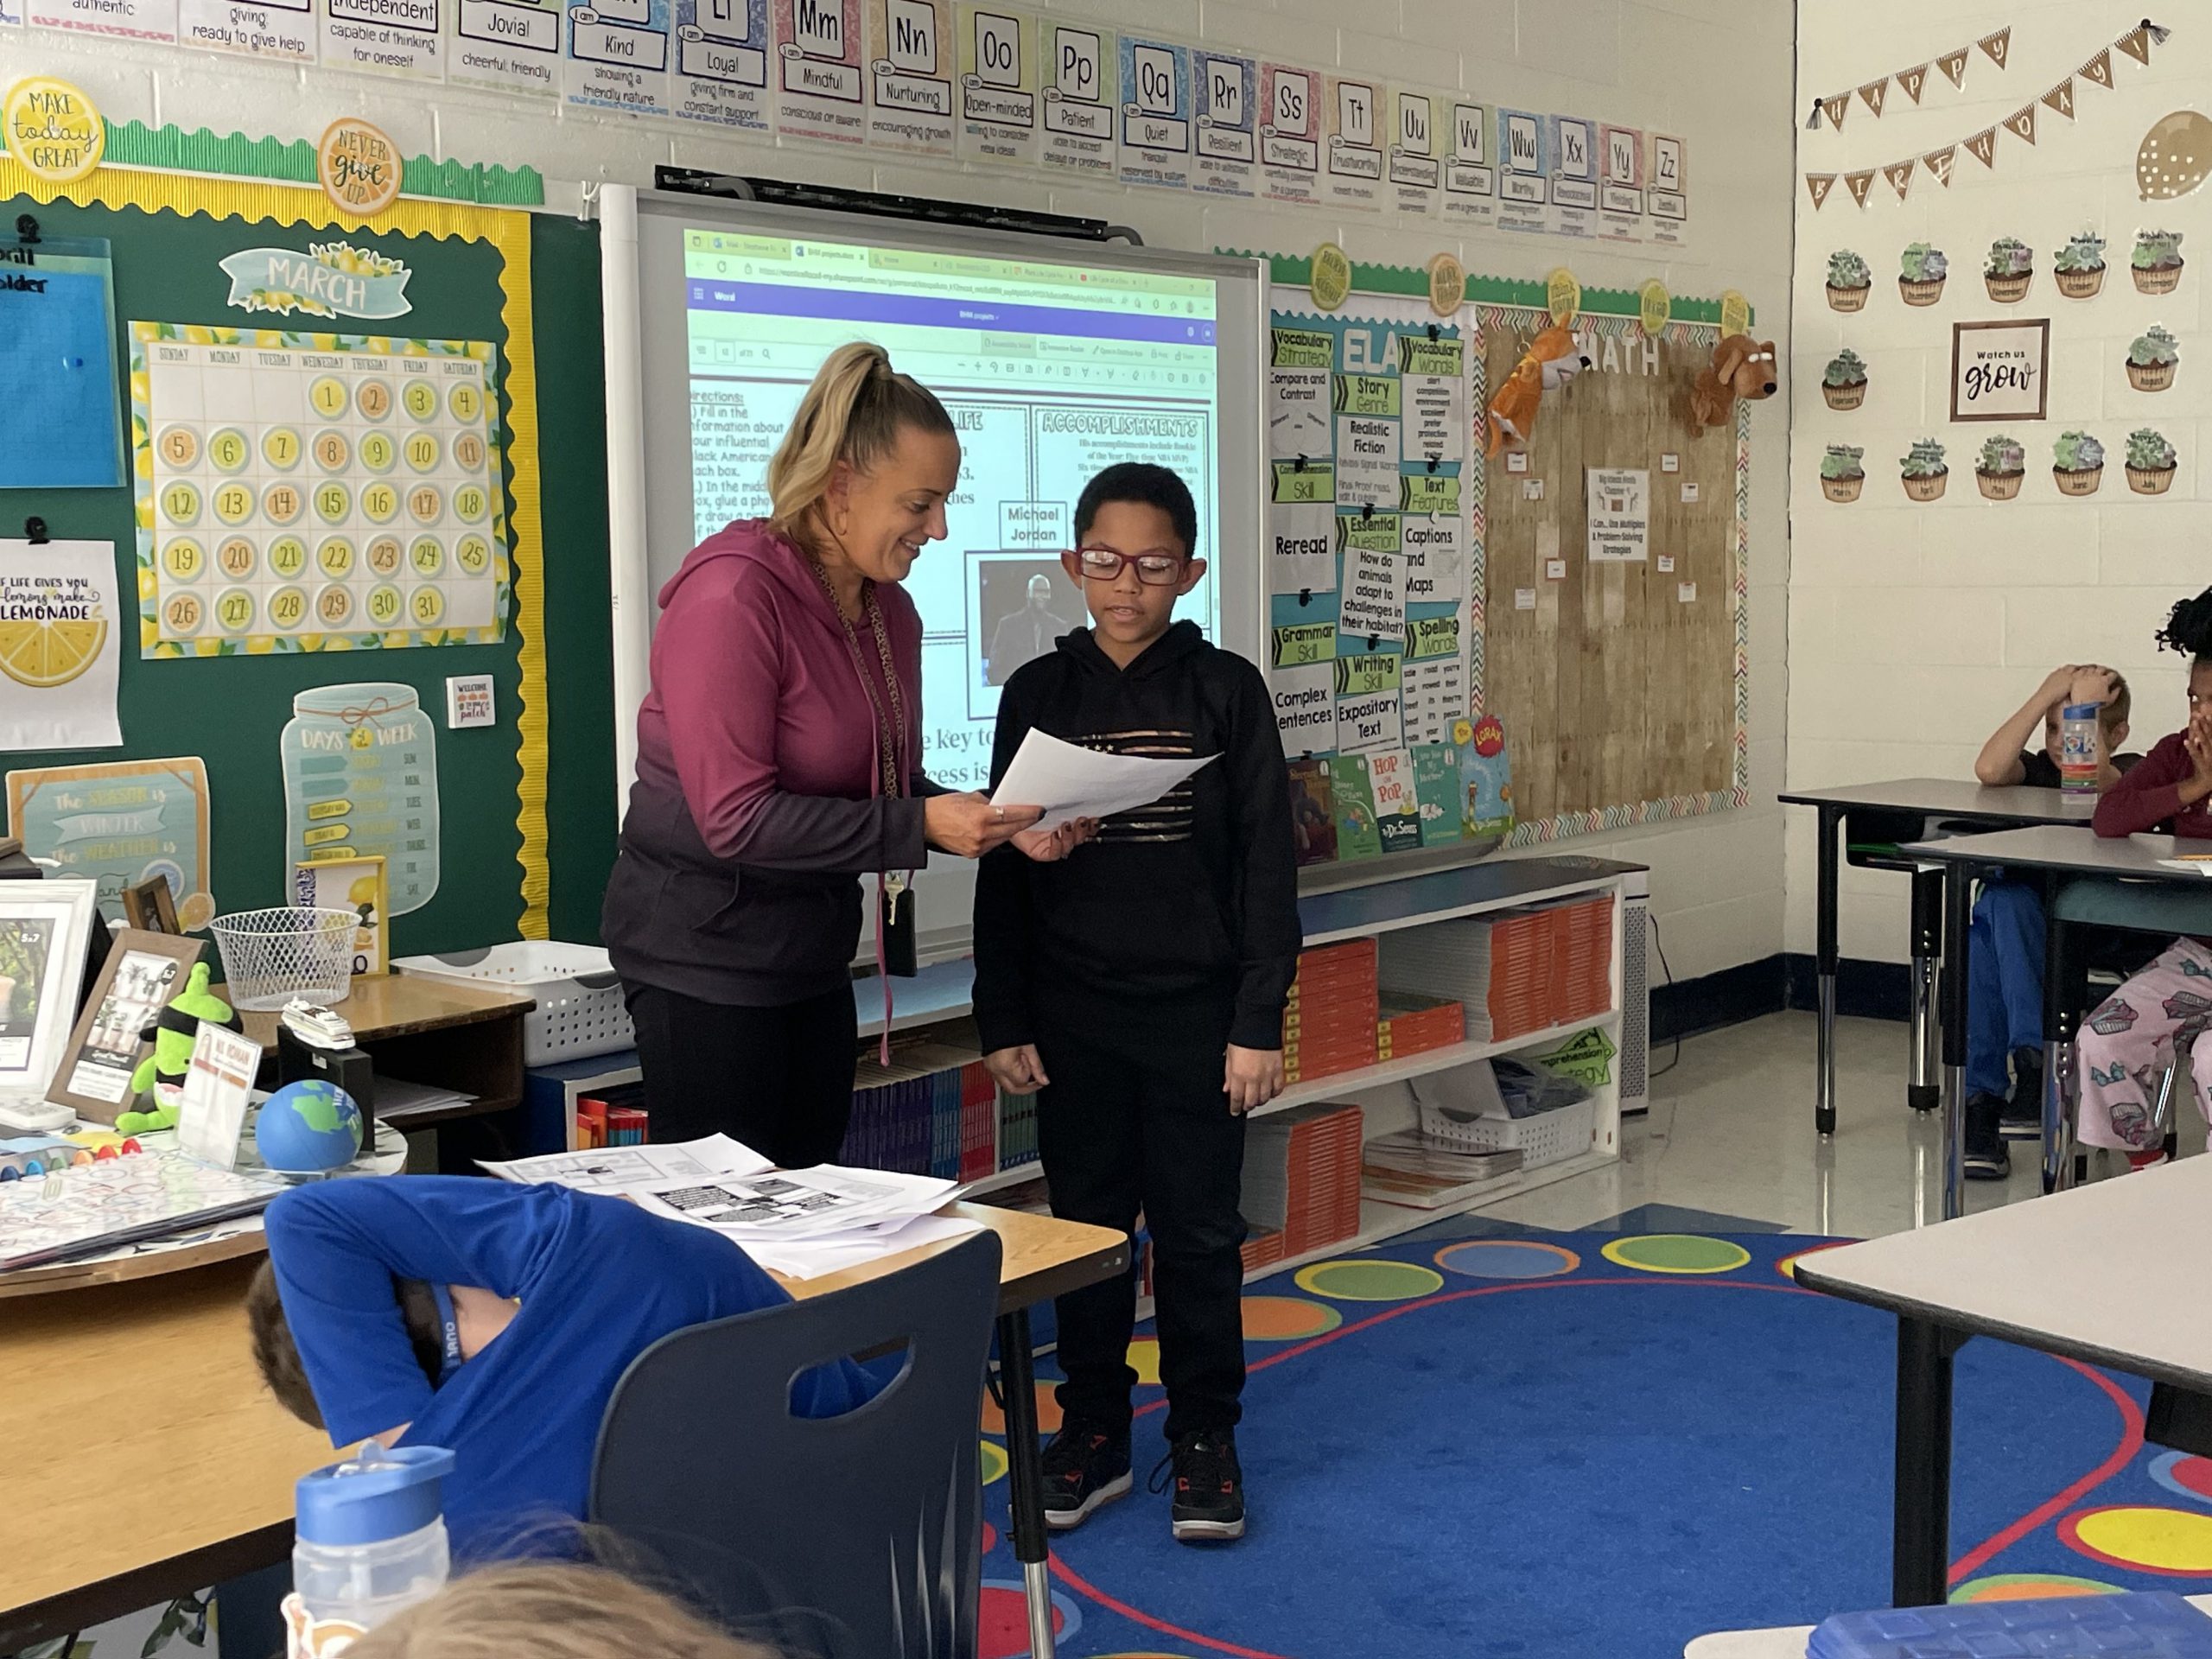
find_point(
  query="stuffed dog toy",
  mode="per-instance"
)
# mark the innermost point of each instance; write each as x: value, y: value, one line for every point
x: 1553, y: 359
x: 1741, y: 367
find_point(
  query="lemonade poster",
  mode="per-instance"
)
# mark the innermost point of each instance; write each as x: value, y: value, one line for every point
x: 59, y: 645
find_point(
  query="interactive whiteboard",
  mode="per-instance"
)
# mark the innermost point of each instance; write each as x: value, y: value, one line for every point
x: 1055, y: 359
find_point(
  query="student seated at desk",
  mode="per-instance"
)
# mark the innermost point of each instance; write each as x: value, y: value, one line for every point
x: 2004, y: 982
x: 1140, y: 983
x: 493, y: 1319
x: 2128, y: 1040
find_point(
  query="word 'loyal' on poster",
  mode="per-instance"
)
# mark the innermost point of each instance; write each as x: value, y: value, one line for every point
x: 1620, y: 515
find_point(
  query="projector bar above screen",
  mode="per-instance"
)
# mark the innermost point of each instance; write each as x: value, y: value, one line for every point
x: 1055, y: 359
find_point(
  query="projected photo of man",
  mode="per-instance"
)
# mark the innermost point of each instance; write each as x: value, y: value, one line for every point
x: 1022, y: 635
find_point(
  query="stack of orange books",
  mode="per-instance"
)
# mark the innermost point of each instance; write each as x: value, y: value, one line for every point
x: 1329, y: 1024
x: 1302, y: 1175
x: 1412, y: 1024
x: 1519, y: 971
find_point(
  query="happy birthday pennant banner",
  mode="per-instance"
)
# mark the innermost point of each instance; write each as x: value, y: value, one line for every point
x: 2136, y: 43
x: 1835, y: 105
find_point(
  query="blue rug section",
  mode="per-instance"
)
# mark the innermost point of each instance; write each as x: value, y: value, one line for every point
x: 1533, y: 1450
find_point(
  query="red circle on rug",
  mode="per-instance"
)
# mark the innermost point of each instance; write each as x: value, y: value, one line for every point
x: 2192, y: 1475
x: 1004, y: 1623
x: 990, y: 1537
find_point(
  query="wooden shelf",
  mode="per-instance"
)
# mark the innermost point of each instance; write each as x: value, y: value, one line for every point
x: 1424, y: 1064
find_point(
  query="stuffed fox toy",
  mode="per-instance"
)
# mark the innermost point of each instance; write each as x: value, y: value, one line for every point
x: 1553, y: 359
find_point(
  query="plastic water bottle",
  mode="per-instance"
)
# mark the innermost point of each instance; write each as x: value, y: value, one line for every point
x: 2077, y: 746
x: 370, y: 1542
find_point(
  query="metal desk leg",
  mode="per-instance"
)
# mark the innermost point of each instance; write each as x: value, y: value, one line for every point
x: 2065, y: 988
x: 1920, y: 1545
x: 1025, y: 1477
x: 1824, y: 962
x: 1958, y: 886
x: 1925, y: 1090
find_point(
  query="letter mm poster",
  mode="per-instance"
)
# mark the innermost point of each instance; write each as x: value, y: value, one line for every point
x: 820, y: 74
x: 1369, y: 596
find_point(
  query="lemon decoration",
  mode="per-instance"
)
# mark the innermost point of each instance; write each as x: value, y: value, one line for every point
x: 49, y: 651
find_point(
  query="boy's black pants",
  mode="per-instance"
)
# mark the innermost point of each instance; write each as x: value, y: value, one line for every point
x: 1146, y: 1127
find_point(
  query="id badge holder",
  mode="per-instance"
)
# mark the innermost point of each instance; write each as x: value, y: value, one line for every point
x: 897, y: 899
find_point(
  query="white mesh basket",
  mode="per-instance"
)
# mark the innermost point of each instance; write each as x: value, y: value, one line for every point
x: 1546, y: 1138
x: 269, y: 956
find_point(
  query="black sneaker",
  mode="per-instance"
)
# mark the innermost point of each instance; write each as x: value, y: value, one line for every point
x: 1084, y: 1467
x: 1209, y: 1505
x: 1986, y: 1157
x: 2022, y: 1119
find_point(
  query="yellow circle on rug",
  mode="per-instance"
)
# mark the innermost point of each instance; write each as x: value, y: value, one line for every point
x: 1677, y: 1253
x: 1369, y: 1282
x: 994, y: 1461
x: 1144, y: 1360
x: 2149, y: 1539
x: 1788, y: 1265
x: 1285, y: 1319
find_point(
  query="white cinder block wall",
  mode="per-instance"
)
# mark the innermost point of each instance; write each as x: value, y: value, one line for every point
x: 1716, y: 71
x: 1914, y: 630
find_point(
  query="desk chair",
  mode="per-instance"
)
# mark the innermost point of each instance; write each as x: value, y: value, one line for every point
x: 851, y: 1537
x: 2133, y: 906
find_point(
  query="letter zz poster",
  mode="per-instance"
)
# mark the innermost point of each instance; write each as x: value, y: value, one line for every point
x: 1368, y: 538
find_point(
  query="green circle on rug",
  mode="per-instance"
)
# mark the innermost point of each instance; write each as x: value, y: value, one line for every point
x: 1285, y: 1319
x: 2031, y: 1586
x: 1369, y: 1282
x: 1508, y: 1258
x: 1677, y: 1253
x: 995, y: 1462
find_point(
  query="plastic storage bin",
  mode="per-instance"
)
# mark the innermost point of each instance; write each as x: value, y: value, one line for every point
x: 580, y: 1010
x: 1546, y: 1138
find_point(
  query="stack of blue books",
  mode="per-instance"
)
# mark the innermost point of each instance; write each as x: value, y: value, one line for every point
x: 2157, y: 1625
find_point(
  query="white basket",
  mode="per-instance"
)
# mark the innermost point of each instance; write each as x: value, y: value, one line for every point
x: 269, y: 956
x: 1546, y: 1138
x: 580, y: 1009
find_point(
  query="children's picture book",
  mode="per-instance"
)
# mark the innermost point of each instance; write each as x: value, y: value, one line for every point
x: 1313, y: 810
x: 1486, y: 771
x: 1358, y: 836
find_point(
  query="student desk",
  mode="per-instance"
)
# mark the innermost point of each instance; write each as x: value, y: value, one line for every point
x: 175, y: 1469
x: 2107, y: 1273
x: 1879, y: 807
x: 1789, y: 1641
x: 2055, y: 855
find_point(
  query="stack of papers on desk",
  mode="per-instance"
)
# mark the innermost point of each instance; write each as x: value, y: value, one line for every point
x: 800, y: 1223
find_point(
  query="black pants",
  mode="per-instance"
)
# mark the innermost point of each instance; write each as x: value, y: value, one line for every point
x: 1120, y: 1134
x: 780, y: 1080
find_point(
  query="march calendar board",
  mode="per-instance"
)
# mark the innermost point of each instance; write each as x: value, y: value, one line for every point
x: 313, y: 491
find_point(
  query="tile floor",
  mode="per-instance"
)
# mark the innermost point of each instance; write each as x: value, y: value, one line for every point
x: 1730, y: 1133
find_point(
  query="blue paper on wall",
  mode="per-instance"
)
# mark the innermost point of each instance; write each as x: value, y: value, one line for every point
x: 59, y: 414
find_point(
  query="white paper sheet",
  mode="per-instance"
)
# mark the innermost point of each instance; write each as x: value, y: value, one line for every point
x: 1366, y: 461
x: 1302, y: 555
x: 1375, y: 594
x: 811, y: 1258
x: 1367, y: 723
x: 629, y: 1169
x: 1070, y: 782
x: 69, y: 588
x: 1305, y: 711
x: 778, y: 1205
x: 217, y: 1086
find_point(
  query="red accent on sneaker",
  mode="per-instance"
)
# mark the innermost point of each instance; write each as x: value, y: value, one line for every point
x: 2149, y: 1159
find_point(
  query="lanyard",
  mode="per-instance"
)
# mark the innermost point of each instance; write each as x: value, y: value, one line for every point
x: 890, y: 729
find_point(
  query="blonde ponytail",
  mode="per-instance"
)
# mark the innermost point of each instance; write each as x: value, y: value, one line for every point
x: 854, y: 412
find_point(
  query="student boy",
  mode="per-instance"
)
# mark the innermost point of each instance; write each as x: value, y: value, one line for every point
x: 491, y: 1318
x: 2004, y: 986
x: 1139, y: 982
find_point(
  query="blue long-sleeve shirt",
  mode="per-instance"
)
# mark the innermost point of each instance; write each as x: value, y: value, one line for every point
x: 599, y: 1281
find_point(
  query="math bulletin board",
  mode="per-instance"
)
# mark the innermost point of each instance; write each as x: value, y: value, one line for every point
x: 497, y: 301
x: 1614, y: 639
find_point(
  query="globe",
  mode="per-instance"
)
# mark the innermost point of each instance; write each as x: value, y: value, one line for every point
x: 308, y: 1127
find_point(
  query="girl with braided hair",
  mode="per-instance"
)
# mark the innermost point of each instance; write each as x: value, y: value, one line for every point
x: 2128, y: 1041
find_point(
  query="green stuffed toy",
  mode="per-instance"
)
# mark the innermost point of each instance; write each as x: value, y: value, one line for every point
x: 159, y: 1080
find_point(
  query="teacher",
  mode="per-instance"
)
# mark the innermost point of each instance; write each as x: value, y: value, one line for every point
x: 778, y: 758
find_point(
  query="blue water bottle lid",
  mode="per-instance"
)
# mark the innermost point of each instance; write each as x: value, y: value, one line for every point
x: 358, y: 1501
x: 2080, y: 711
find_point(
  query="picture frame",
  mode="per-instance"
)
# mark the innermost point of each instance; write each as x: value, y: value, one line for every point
x: 150, y: 906
x: 2000, y: 370
x: 143, y: 971
x: 45, y: 932
x: 339, y: 884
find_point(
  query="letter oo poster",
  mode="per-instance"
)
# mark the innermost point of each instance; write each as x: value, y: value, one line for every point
x: 1368, y: 564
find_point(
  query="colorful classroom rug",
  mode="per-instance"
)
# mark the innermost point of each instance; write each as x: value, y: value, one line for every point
x: 1594, y: 1445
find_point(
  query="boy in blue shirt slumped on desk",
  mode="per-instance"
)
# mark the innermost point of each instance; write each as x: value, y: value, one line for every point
x: 493, y: 1319
x: 1138, y: 981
